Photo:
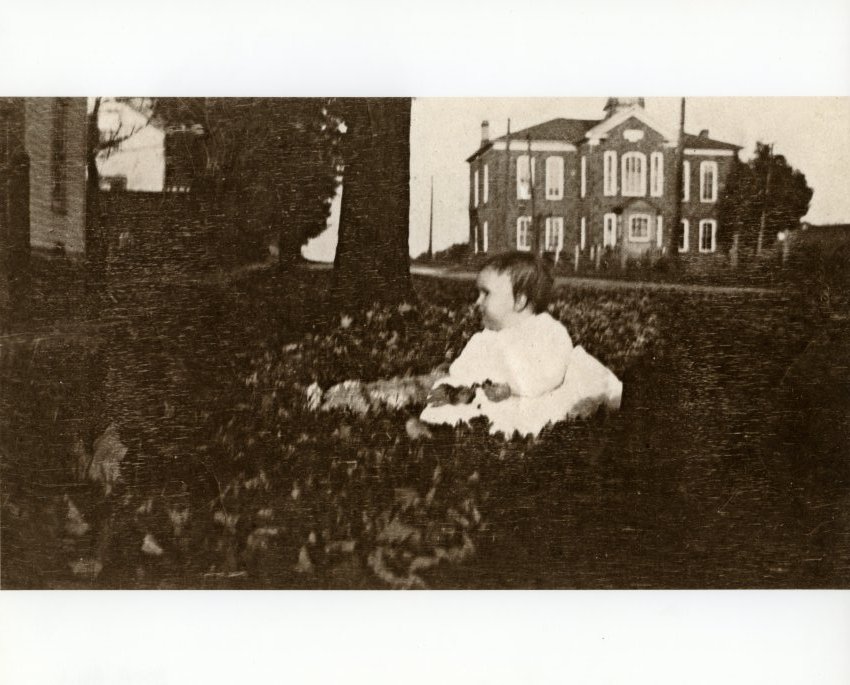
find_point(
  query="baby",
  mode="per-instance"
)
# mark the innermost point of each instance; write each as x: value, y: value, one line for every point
x: 521, y: 371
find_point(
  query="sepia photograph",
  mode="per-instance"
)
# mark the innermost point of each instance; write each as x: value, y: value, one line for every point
x: 440, y: 342
x: 448, y: 343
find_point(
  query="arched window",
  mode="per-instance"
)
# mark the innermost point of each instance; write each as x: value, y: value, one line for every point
x: 554, y: 236
x: 523, y: 233
x: 707, y: 235
x: 634, y: 174
x: 524, y: 177
x: 684, y: 237
x: 609, y: 173
x: 656, y: 174
x: 708, y: 181
x: 609, y: 230
x: 475, y: 188
x: 583, y: 176
x: 554, y: 178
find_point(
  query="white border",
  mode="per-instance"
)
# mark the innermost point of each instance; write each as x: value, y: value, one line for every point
x: 398, y: 48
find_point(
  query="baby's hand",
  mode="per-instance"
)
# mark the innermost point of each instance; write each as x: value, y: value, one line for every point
x: 496, y: 392
x: 439, y: 396
x: 449, y: 394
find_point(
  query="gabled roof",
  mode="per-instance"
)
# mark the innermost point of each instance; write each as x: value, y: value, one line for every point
x: 705, y: 143
x: 603, y: 127
x: 560, y: 130
x: 565, y: 130
x: 574, y: 131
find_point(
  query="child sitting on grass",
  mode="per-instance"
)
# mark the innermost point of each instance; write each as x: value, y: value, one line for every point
x: 521, y: 372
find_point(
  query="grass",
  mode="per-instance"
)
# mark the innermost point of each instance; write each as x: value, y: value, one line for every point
x: 725, y: 467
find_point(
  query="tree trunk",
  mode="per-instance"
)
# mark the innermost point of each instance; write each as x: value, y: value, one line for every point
x: 14, y: 214
x: 372, y: 262
x: 95, y: 240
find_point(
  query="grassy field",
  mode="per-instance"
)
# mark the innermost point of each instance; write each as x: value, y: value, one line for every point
x: 172, y: 447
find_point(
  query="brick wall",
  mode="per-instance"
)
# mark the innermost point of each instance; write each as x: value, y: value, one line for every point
x: 503, y: 208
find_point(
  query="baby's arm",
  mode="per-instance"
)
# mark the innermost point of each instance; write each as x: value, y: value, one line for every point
x: 538, y: 366
x: 478, y: 366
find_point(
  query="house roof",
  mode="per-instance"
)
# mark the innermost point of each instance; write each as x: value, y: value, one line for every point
x: 575, y: 130
x: 566, y: 130
x: 560, y: 129
x: 706, y: 143
x: 603, y: 127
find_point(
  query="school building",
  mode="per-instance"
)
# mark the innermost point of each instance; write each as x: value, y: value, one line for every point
x: 604, y: 184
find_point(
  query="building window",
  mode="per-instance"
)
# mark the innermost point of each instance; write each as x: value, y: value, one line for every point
x: 609, y: 230
x: 609, y: 173
x: 708, y: 181
x: 634, y: 174
x: 656, y: 174
x: 475, y: 239
x: 554, y: 236
x: 475, y: 189
x: 684, y: 237
x: 554, y: 178
x: 523, y: 233
x: 485, y: 236
x: 639, y: 228
x: 524, y: 177
x: 59, y: 154
x: 583, y: 236
x: 659, y: 231
x: 686, y: 181
x: 707, y: 235
x: 583, y: 176
x: 486, y: 188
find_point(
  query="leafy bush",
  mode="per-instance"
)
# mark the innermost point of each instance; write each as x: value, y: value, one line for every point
x: 262, y: 491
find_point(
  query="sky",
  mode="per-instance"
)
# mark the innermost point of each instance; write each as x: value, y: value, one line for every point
x: 812, y: 132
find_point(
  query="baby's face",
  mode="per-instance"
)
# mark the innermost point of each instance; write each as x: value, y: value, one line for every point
x: 495, y: 299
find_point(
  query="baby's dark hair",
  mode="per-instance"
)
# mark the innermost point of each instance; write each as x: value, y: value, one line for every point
x: 530, y: 276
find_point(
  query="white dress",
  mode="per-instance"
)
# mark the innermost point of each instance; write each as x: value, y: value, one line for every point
x: 550, y: 380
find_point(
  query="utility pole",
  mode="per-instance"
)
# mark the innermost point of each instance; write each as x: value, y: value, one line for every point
x: 535, y: 238
x: 676, y: 228
x: 763, y: 221
x: 431, y: 225
x: 507, y: 194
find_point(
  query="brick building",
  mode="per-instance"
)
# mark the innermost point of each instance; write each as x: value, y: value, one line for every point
x: 597, y: 184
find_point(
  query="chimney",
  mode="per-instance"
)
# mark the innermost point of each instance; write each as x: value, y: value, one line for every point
x: 703, y: 133
x: 485, y: 133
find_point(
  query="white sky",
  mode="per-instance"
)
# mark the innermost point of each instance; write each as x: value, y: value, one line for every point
x: 813, y: 133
